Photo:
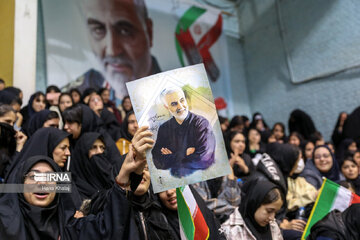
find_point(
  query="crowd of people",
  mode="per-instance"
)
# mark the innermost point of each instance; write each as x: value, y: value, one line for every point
x: 269, y: 194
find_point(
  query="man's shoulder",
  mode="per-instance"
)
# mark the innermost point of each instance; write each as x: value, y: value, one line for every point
x: 198, y: 118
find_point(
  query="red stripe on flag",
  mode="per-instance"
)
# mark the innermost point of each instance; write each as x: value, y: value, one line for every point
x: 201, y: 228
x: 355, y: 199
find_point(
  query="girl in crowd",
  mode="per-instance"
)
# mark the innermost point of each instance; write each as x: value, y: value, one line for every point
x: 8, y: 98
x: 105, y: 96
x: 308, y: 150
x: 356, y: 158
x: 224, y: 124
x: 236, y: 124
x: 278, y: 131
x: 75, y: 95
x: 128, y: 129
x: 255, y: 217
x: 235, y: 147
x: 347, y: 147
x: 44, y: 118
x: 107, y: 119
x: 169, y: 207
x: 65, y: 101
x: 323, y: 164
x: 254, y: 144
x: 36, y: 104
x: 126, y: 106
x: 350, y: 170
x: 296, y: 139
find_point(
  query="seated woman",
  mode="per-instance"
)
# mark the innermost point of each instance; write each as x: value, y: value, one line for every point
x: 255, y: 217
x: 168, y: 202
x: 351, y: 173
x: 235, y: 147
x: 278, y: 131
x: 37, y: 102
x: 254, y: 145
x: 296, y: 139
x: 322, y: 165
x: 45, y: 215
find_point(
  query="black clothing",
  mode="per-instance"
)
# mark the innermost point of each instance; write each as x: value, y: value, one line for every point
x: 196, y: 132
x: 302, y: 123
x: 110, y: 124
x: 7, y: 148
x: 150, y: 220
x: 35, y: 122
x: 285, y: 155
x: 91, y: 174
x: 7, y: 97
x: 351, y: 126
x: 237, y: 171
x: 253, y: 194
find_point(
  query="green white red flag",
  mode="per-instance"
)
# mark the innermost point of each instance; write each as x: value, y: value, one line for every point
x: 331, y: 196
x: 197, y: 31
x: 192, y: 223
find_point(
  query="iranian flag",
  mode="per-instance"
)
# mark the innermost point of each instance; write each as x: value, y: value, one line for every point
x: 191, y: 220
x: 331, y: 196
x: 196, y: 33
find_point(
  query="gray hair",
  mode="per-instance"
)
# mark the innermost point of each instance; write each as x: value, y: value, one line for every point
x: 5, y: 108
x: 167, y: 91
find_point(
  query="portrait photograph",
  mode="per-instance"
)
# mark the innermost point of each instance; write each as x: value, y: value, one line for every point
x: 178, y: 107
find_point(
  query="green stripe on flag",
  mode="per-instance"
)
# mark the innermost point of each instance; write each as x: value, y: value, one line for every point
x: 322, y: 205
x: 185, y: 217
x: 185, y: 22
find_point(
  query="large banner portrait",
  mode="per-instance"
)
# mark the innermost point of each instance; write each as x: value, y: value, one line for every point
x: 107, y: 43
x: 178, y: 107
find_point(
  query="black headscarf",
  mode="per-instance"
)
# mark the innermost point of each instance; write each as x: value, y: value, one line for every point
x: 89, y: 121
x: 21, y: 220
x: 352, y: 221
x: 7, y: 147
x: 254, y: 192
x: 110, y: 124
x: 36, y: 122
x: 302, y: 123
x: 42, y: 142
x: 334, y: 173
x: 124, y: 127
x: 94, y: 174
x: 7, y: 97
x: 351, y: 126
x: 285, y: 155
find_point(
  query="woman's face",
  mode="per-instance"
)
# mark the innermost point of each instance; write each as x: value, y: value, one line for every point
x: 62, y: 152
x: 352, y: 147
x: 266, y: 212
x: 254, y: 136
x: 323, y: 160
x: 350, y: 170
x: 294, y: 140
x: 39, y: 103
x: 168, y: 198
x: 105, y: 95
x: 144, y: 184
x: 133, y: 124
x: 127, y: 104
x: 76, y: 97
x: 9, y: 118
x: 54, y: 122
x: 39, y: 199
x: 238, y: 143
x: 357, y: 158
x: 309, y: 148
x: 278, y: 132
x: 65, y: 102
x: 224, y: 126
x: 96, y: 103
x: 73, y: 128
x: 98, y: 147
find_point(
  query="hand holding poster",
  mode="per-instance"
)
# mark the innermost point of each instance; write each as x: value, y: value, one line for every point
x: 178, y: 107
